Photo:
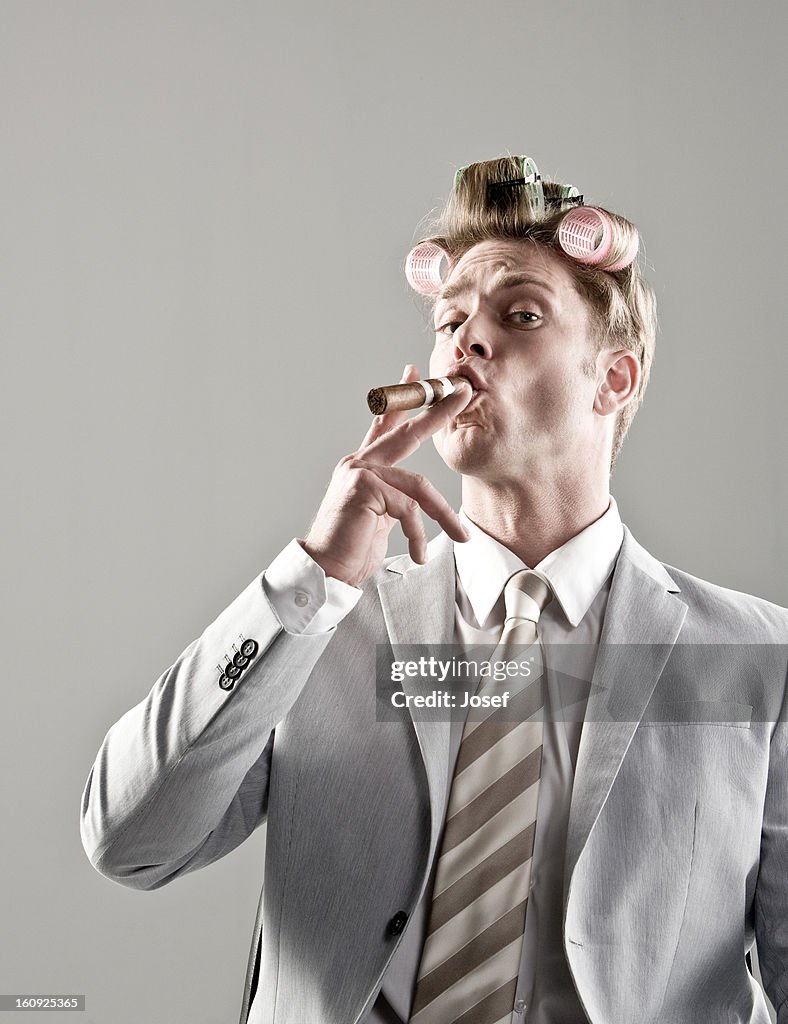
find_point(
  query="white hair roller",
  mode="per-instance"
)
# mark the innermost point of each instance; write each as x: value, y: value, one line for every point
x: 533, y: 187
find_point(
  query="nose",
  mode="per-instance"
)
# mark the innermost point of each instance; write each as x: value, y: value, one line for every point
x: 470, y: 338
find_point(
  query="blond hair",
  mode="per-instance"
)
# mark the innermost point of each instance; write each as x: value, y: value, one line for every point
x: 491, y: 200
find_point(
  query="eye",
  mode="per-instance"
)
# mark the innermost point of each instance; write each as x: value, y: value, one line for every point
x: 524, y: 316
x: 449, y: 327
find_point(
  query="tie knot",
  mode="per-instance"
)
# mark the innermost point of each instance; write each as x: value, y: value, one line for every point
x: 526, y: 595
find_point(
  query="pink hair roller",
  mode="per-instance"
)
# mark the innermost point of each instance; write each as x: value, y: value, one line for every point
x: 586, y: 234
x: 629, y: 255
x: 423, y: 267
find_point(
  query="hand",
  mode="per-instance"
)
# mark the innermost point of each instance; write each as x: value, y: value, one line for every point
x: 367, y: 494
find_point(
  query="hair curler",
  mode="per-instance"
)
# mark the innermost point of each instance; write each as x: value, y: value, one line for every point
x: 630, y: 253
x: 424, y: 267
x: 587, y: 234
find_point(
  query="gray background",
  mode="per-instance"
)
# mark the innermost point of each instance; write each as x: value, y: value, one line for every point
x: 205, y: 208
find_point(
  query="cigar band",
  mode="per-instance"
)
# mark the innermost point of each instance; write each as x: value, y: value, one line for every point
x: 448, y: 387
x: 429, y: 392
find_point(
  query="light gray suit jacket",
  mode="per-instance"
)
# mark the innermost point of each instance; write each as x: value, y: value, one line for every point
x: 677, y: 854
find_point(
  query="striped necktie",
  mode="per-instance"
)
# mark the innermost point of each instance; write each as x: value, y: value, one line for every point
x: 471, y: 957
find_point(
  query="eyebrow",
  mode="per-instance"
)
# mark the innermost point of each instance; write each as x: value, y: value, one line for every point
x: 510, y: 279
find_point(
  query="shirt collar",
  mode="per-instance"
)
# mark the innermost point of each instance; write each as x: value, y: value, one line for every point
x: 576, y: 571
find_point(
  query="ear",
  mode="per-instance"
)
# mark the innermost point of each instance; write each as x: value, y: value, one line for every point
x: 618, y: 374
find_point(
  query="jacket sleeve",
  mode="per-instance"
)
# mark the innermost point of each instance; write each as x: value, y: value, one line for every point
x: 182, y: 778
x: 771, y: 893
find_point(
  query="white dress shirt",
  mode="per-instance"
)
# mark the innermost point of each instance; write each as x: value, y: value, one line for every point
x: 579, y: 574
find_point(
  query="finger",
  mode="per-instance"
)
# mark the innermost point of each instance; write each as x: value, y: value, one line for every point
x: 405, y: 438
x: 395, y: 504
x: 382, y: 424
x: 430, y: 499
x: 413, y: 529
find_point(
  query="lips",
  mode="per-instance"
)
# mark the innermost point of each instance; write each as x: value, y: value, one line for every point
x: 459, y: 369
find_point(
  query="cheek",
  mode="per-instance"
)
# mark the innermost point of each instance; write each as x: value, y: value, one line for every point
x: 548, y: 395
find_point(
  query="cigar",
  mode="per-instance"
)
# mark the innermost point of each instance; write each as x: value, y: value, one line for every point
x: 416, y: 395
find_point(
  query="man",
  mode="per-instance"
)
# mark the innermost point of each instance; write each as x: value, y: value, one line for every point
x: 656, y: 822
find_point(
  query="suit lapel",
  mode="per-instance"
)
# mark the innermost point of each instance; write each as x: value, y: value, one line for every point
x: 418, y: 608
x: 642, y: 621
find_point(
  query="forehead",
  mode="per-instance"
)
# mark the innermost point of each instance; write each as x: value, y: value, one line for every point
x: 502, y: 263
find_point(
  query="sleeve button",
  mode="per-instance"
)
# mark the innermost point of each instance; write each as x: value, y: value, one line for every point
x: 249, y: 648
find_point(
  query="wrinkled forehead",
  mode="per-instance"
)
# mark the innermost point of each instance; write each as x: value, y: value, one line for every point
x: 505, y: 263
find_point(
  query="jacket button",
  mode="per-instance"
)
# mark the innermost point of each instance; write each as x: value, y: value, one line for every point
x: 225, y: 683
x: 397, y: 924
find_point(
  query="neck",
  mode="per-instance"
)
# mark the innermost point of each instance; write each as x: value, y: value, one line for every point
x: 532, y: 522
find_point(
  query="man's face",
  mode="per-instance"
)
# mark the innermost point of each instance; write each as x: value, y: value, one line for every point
x: 511, y: 319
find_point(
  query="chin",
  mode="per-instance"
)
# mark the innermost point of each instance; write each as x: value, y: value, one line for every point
x: 466, y: 451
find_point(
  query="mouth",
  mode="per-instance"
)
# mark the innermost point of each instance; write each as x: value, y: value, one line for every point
x: 470, y: 375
